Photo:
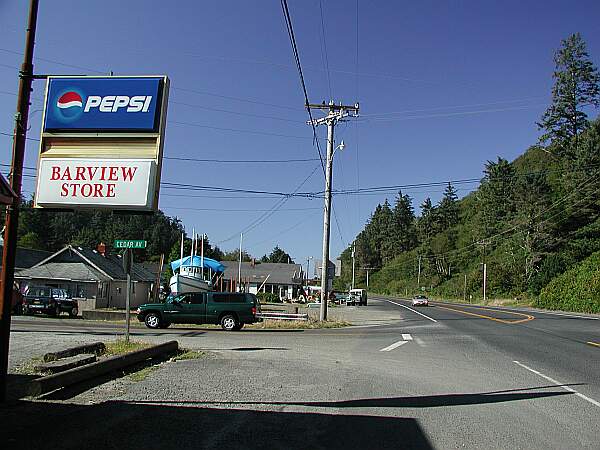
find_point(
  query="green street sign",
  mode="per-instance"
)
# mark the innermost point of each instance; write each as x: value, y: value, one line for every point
x: 127, y: 243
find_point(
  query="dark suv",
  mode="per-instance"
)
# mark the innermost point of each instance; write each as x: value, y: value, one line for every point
x: 230, y: 309
x: 49, y: 300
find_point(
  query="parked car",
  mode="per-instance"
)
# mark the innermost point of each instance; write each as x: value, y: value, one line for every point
x: 49, y: 300
x: 340, y: 297
x: 358, y: 297
x: 230, y: 309
x: 420, y: 300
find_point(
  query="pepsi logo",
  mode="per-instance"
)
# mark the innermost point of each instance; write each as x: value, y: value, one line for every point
x: 69, y: 105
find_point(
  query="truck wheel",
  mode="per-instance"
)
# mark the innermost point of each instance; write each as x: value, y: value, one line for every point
x: 73, y: 312
x: 229, y: 322
x: 152, y: 320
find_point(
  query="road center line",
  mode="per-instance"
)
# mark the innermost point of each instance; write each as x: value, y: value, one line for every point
x: 410, y: 309
x: 393, y: 346
x: 407, y: 337
x: 483, y: 316
x: 562, y: 385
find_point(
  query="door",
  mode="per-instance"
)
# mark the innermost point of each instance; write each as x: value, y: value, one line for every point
x: 195, y: 308
x: 174, y: 309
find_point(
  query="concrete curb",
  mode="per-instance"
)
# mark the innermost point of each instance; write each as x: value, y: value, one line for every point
x: 50, y: 383
x: 95, y: 314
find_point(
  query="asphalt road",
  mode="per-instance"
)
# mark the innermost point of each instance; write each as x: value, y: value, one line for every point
x: 446, y: 376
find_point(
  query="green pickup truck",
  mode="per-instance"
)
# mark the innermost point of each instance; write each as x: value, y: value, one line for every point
x: 230, y: 309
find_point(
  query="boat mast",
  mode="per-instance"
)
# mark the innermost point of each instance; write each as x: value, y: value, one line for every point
x: 202, y: 253
x: 181, y: 253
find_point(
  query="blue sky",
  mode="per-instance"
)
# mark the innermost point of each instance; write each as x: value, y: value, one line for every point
x: 465, y: 82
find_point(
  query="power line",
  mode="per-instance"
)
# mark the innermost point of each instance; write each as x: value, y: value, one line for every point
x: 208, y: 108
x: 287, y: 230
x: 59, y: 63
x: 324, y: 50
x: 262, y: 133
x: 241, y: 161
x: 460, y: 113
x: 237, y: 210
x: 290, y: 30
x: 237, y: 99
x: 194, y: 187
x: 441, y: 108
x: 261, y: 219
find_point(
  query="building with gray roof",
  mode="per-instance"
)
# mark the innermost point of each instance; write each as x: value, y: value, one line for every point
x: 95, y: 277
x: 278, y: 278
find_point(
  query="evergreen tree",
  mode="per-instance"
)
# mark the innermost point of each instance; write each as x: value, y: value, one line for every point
x: 426, y: 223
x: 278, y: 255
x: 576, y: 86
x: 495, y: 197
x: 405, y: 238
x: 448, y: 208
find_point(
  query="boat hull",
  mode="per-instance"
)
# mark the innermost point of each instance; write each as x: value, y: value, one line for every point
x: 181, y: 284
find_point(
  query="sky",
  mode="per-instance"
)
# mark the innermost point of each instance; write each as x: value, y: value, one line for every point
x: 443, y: 87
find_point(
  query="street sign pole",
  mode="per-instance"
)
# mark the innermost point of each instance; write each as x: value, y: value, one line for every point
x: 128, y: 302
x: 127, y: 263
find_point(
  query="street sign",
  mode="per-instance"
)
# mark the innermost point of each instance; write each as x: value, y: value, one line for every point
x: 128, y: 243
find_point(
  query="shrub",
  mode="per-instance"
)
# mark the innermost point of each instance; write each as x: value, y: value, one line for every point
x: 268, y: 297
x: 578, y: 289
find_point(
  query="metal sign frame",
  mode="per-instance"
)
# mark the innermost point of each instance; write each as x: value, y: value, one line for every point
x: 137, y: 145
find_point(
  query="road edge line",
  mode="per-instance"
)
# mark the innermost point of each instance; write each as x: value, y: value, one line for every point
x: 410, y: 309
x: 562, y: 385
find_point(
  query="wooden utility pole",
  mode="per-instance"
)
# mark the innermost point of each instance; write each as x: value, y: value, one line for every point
x: 12, y: 211
x: 336, y: 114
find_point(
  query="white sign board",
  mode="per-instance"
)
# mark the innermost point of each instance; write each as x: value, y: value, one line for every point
x: 65, y: 182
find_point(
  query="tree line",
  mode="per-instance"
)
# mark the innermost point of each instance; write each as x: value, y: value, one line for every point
x: 530, y: 219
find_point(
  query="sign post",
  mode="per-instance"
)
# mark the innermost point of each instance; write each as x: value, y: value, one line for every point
x: 128, y: 245
x: 127, y: 263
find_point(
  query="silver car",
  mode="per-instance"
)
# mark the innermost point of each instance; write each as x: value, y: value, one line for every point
x: 420, y: 300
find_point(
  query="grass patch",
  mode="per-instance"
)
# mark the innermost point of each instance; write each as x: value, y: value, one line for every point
x: 142, y: 374
x: 184, y: 354
x: 28, y: 368
x: 120, y: 347
x: 298, y: 325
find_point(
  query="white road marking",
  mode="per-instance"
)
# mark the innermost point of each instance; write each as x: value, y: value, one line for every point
x: 393, y: 346
x: 410, y: 309
x: 407, y: 337
x: 566, y: 388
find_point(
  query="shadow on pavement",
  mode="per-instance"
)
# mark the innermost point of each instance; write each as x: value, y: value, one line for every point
x: 254, y: 349
x: 17, y: 386
x: 424, y: 401
x: 127, y: 425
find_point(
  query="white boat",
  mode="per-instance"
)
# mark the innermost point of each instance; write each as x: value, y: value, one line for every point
x: 194, y: 273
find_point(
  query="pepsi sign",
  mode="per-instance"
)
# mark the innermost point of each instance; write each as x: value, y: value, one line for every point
x: 103, y: 104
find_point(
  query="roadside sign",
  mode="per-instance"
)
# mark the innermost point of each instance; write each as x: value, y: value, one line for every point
x: 106, y: 103
x: 102, y: 143
x: 129, y: 243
